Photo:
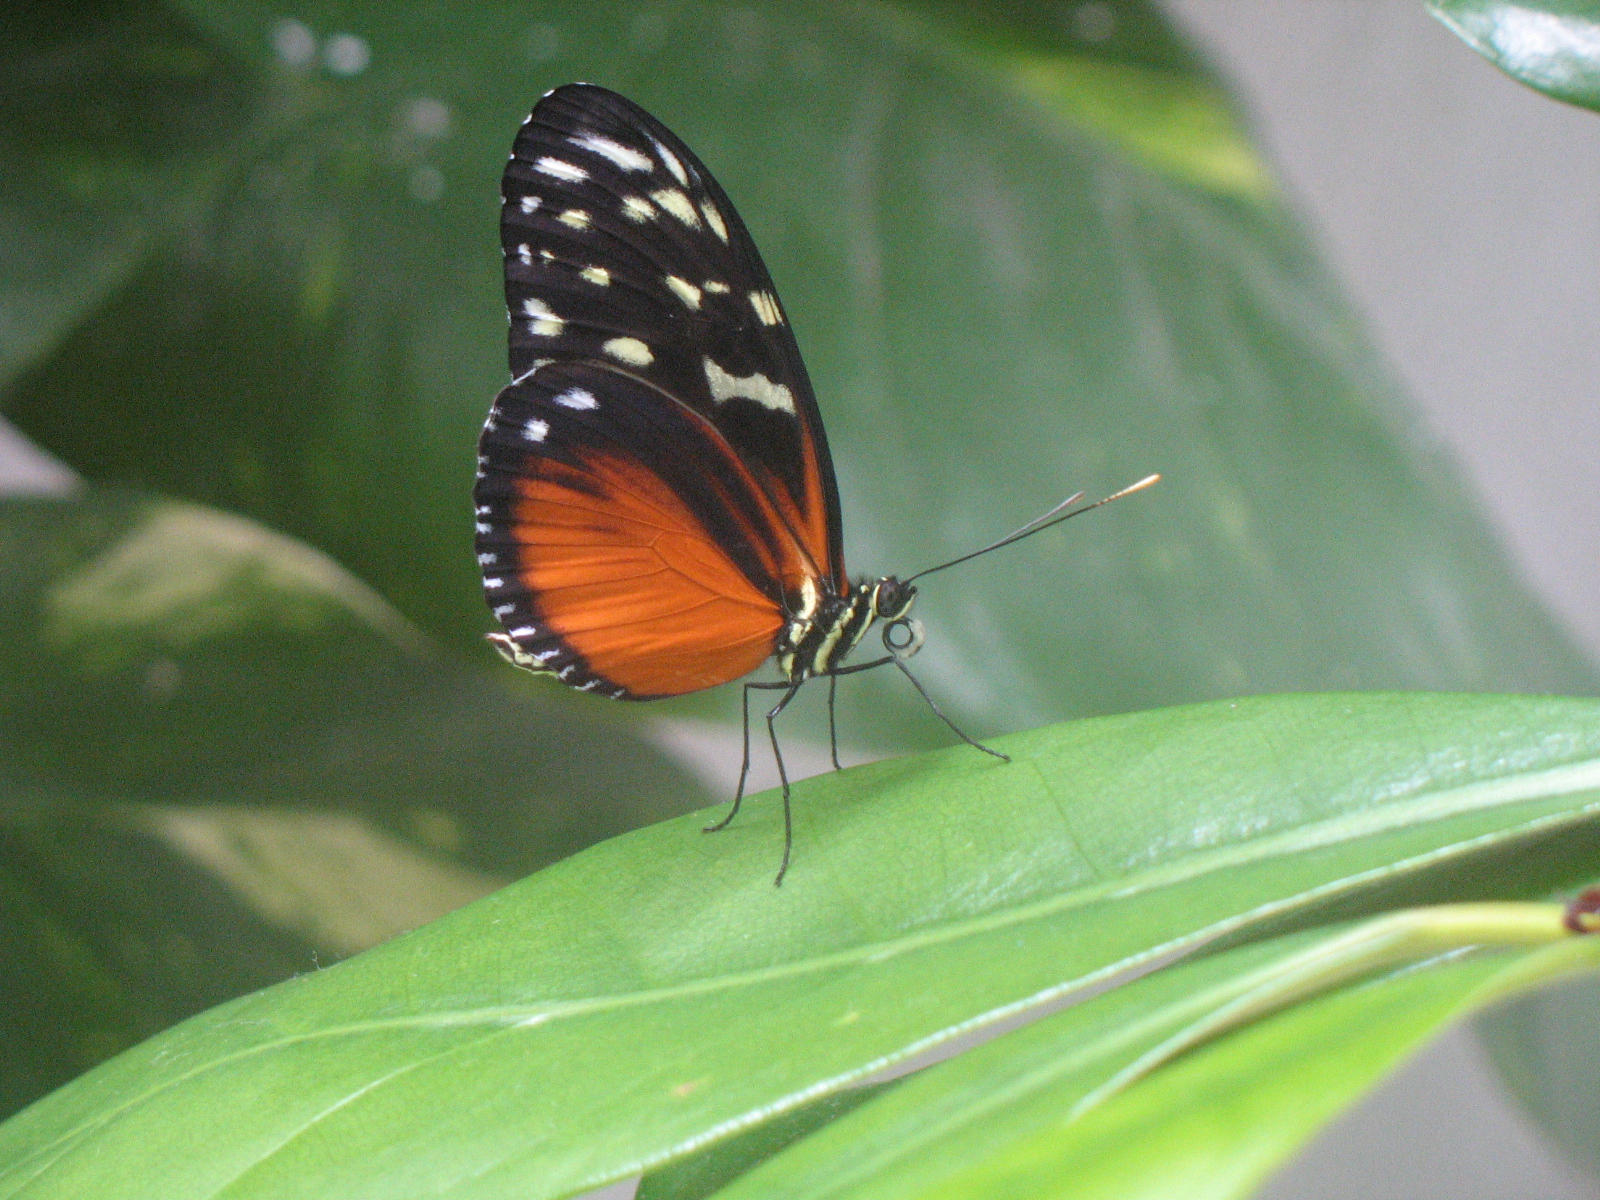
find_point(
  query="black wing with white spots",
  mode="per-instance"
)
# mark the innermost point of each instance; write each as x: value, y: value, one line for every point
x: 621, y: 251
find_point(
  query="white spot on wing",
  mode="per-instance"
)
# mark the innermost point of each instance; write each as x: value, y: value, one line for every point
x: 496, y: 582
x: 596, y: 275
x: 629, y: 350
x: 486, y: 560
x: 544, y: 323
x: 522, y: 631
x: 577, y: 398
x: 766, y: 306
x: 530, y: 204
x: 716, y: 287
x: 686, y: 291
x: 535, y: 430
x: 638, y: 209
x: 537, y: 363
x: 757, y: 387
x: 714, y: 219
x: 575, y: 217
x: 524, y: 253
x: 560, y: 169
x: 625, y: 157
x: 673, y: 165
x: 504, y: 609
x: 678, y: 204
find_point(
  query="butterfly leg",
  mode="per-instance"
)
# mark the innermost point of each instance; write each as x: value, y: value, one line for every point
x: 744, y: 766
x: 783, y: 776
x: 833, y: 727
x: 940, y: 714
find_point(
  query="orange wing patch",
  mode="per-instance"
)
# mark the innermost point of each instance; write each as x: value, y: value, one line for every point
x: 626, y: 577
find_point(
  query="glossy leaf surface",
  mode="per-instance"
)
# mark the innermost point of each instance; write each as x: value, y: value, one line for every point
x: 625, y: 1006
x: 1022, y: 255
x: 224, y: 760
x: 1552, y: 46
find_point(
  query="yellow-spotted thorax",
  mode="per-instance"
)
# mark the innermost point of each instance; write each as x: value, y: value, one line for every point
x: 823, y: 629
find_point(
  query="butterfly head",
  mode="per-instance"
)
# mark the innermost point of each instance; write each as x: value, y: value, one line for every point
x: 891, y: 599
x: 891, y: 603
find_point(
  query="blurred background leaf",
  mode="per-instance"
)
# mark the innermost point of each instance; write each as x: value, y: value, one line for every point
x: 1550, y: 45
x: 1548, y: 1050
x: 226, y: 760
x: 113, y: 118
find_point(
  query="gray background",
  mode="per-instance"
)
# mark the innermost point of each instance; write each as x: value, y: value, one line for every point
x: 1463, y: 213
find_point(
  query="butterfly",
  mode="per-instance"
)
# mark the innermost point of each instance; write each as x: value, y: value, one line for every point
x: 656, y: 509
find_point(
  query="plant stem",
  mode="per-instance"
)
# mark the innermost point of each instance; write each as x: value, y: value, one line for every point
x: 1405, y: 937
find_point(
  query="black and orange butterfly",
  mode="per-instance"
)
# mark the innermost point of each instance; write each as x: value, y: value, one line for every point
x: 656, y: 506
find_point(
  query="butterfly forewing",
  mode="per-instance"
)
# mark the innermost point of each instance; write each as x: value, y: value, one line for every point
x: 621, y: 247
x: 655, y: 486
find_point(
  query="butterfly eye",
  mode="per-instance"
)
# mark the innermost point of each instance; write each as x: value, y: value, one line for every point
x: 892, y: 599
x: 903, y: 638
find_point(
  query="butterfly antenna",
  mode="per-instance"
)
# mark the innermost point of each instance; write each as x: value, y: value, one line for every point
x: 1044, y: 520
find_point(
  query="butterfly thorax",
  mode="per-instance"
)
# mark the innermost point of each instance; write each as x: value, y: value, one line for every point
x: 824, y: 626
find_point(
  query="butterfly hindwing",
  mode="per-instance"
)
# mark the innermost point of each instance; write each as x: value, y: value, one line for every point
x: 624, y: 548
x: 622, y: 250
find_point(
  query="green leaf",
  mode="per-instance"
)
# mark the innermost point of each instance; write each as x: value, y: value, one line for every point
x: 633, y: 1003
x: 1553, y: 46
x: 223, y: 758
x: 1282, y: 1080
x: 1090, y: 1102
x: 702, y: 1174
x: 1023, y: 256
